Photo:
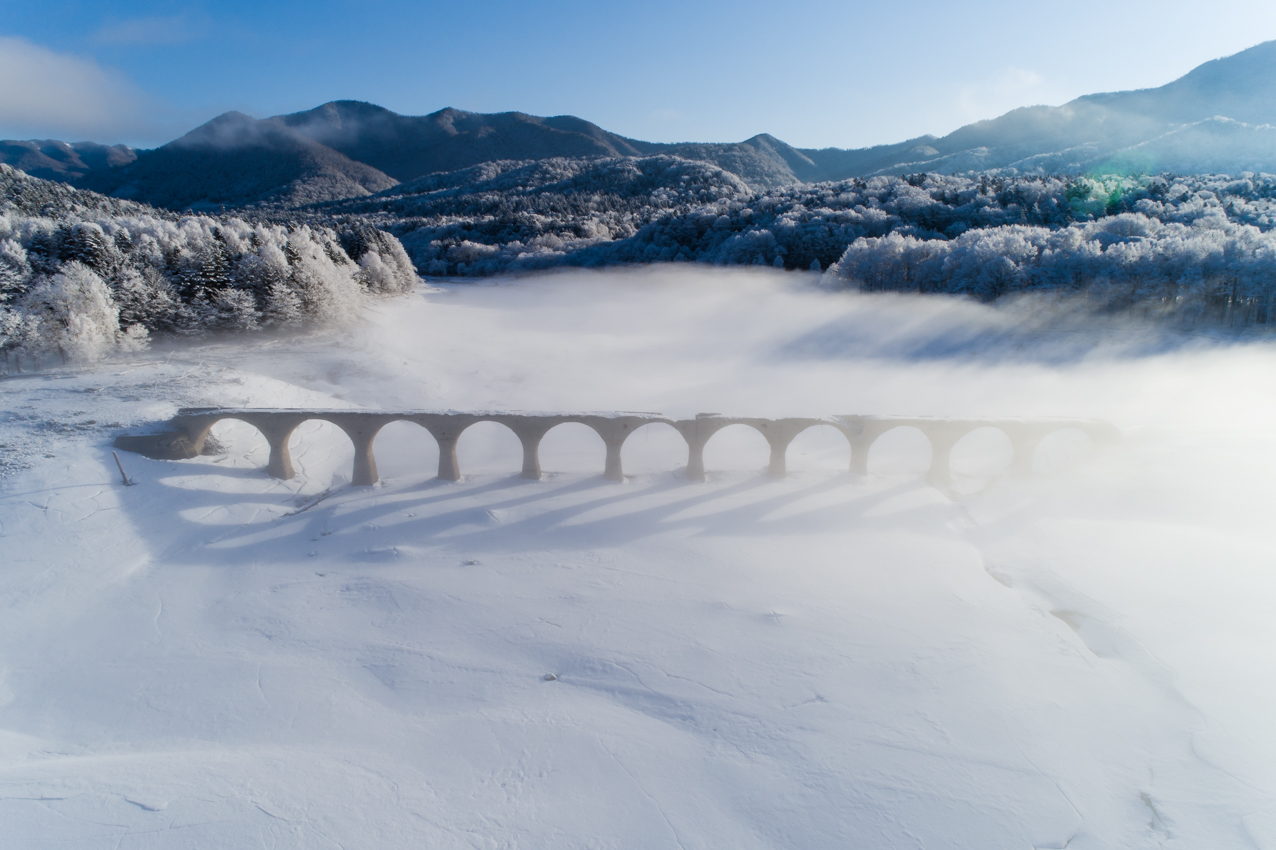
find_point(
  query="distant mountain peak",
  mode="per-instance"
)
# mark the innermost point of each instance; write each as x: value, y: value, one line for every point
x: 1215, y: 117
x: 228, y: 130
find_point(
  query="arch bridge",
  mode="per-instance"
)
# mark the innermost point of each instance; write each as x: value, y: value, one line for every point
x: 189, y: 430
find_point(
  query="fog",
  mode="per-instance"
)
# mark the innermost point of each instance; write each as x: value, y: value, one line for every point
x: 682, y: 340
x: 1081, y: 658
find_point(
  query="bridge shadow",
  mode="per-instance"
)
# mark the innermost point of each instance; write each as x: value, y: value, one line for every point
x: 507, y: 514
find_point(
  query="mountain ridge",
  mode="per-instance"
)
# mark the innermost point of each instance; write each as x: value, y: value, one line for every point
x: 349, y: 149
x: 235, y: 160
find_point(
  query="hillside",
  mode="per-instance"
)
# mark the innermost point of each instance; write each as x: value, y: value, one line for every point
x: 235, y: 160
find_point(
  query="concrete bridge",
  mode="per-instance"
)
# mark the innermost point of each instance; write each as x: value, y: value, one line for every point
x: 190, y: 428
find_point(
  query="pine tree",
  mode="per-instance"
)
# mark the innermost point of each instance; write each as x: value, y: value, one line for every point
x: 283, y: 306
x: 15, y: 270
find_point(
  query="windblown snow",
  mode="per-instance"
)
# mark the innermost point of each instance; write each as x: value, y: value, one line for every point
x: 215, y: 658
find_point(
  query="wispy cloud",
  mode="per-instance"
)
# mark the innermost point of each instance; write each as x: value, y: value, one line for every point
x: 48, y: 94
x: 149, y: 31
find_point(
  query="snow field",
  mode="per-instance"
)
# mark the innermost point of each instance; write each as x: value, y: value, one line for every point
x: 214, y: 658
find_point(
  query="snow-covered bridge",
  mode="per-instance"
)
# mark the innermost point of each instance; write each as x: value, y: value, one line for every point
x: 190, y: 428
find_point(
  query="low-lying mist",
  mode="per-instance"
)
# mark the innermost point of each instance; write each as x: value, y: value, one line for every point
x: 685, y: 339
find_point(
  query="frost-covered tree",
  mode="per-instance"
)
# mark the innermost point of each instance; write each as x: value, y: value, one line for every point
x: 15, y: 271
x: 1211, y: 269
x: 65, y: 253
x: 144, y: 298
x: 328, y: 289
x: 284, y: 307
x: 75, y: 313
x: 1195, y: 247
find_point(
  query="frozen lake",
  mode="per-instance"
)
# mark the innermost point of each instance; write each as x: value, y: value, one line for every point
x: 215, y: 658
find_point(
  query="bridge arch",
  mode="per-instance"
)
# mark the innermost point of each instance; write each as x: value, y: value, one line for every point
x: 404, y: 447
x: 199, y: 435
x: 818, y: 445
x: 899, y: 447
x: 983, y: 451
x: 487, y: 444
x: 734, y: 445
x: 573, y: 446
x: 311, y: 440
x: 653, y: 447
x: 235, y: 436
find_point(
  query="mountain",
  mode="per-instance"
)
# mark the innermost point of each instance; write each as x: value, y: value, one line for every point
x: 1088, y: 132
x: 408, y: 147
x: 53, y: 160
x: 235, y: 160
x: 1217, y: 118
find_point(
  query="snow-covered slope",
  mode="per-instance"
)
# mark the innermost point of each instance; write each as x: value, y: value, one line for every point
x: 213, y: 658
x: 50, y: 159
x: 236, y: 160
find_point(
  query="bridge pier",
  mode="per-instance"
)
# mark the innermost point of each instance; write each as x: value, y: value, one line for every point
x: 861, y: 432
x: 449, y: 466
x: 1024, y: 438
x: 612, y: 468
x: 942, y: 437
x: 362, y: 429
x: 859, y: 452
x: 530, y: 430
x: 614, y: 432
x: 365, y: 462
x: 446, y: 430
x: 531, y: 456
x: 280, y: 463
x: 779, y: 434
x: 697, y: 432
x: 777, y: 466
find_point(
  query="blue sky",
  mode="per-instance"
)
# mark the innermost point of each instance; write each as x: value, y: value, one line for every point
x: 812, y: 72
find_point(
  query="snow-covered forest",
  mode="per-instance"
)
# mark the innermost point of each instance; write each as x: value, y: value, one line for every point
x: 82, y: 275
x: 1199, y: 247
x: 519, y: 215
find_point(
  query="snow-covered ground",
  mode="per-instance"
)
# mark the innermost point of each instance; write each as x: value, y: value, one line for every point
x: 214, y: 658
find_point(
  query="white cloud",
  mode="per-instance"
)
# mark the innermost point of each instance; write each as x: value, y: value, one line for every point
x: 56, y: 95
